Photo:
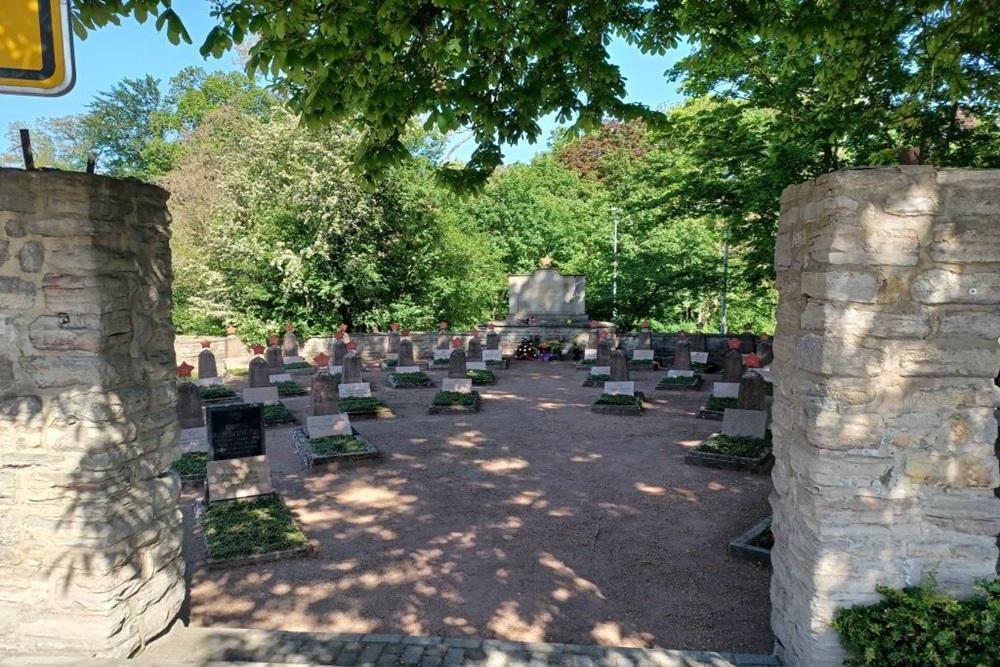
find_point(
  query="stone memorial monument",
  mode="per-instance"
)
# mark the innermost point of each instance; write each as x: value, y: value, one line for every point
x: 618, y: 381
x: 474, y: 353
x: 290, y: 346
x: 258, y: 375
x: 492, y: 351
x: 457, y: 379
x: 682, y: 357
x: 392, y: 343
x: 208, y: 369
x: 237, y: 466
x: 324, y: 395
x: 406, y: 363
x: 732, y: 371
x: 276, y: 362
x: 547, y: 297
x: 644, y: 344
x: 351, y: 382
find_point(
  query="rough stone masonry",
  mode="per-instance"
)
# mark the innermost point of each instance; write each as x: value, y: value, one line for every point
x: 90, y: 556
x: 885, y: 356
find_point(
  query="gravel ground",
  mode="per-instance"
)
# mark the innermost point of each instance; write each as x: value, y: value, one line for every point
x: 532, y: 520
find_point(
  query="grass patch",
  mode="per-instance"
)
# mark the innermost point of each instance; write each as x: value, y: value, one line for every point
x: 277, y: 414
x: 440, y: 362
x: 697, y: 366
x: 410, y: 379
x: 493, y: 363
x: 336, y: 444
x: 718, y: 404
x: 588, y: 362
x: 297, y: 365
x: 642, y: 362
x: 238, y: 372
x: 596, y: 379
x: 480, y: 377
x: 446, y: 398
x: 353, y: 404
x: 212, y: 391
x: 247, y: 528
x: 736, y: 445
x: 616, y: 399
x: 289, y: 388
x: 679, y: 380
x: 192, y: 463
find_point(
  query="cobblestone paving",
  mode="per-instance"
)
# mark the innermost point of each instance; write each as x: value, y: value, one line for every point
x: 388, y: 650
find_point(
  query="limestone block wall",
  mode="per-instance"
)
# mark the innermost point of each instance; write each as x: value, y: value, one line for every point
x: 885, y: 356
x: 90, y: 550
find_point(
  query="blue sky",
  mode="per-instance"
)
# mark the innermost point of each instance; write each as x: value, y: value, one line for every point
x: 133, y: 50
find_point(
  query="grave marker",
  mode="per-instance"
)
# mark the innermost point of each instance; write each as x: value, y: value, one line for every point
x: 645, y: 341
x: 324, y: 395
x: 618, y: 381
x: 332, y: 424
x: 208, y: 370
x: 732, y: 363
x: 682, y: 352
x: 258, y: 375
x: 189, y: 411
x: 235, y: 431
x: 405, y: 363
x: 456, y: 361
x: 290, y: 346
x: 351, y: 382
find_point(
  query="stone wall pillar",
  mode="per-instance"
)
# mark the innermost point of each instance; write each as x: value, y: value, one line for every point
x: 90, y: 550
x: 885, y: 356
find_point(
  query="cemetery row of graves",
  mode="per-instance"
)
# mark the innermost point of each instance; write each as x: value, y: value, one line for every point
x: 224, y: 431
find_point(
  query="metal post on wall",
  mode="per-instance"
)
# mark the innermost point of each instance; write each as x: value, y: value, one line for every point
x: 614, y: 271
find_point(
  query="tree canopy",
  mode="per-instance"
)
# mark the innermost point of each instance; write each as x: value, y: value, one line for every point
x: 497, y: 66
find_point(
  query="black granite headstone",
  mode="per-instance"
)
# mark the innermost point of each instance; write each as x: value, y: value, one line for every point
x: 235, y: 431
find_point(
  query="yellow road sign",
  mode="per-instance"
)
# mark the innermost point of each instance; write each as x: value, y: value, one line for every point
x: 36, y: 47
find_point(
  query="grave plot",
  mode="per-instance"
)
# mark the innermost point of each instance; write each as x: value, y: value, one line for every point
x: 330, y: 439
x: 745, y: 440
x: 620, y: 396
x: 456, y: 393
x: 243, y: 520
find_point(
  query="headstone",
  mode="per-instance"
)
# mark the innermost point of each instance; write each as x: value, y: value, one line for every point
x: 492, y: 355
x: 492, y: 339
x: 405, y: 363
x: 475, y: 352
x: 444, y: 339
x: 752, y: 395
x: 603, y: 356
x: 339, y: 350
x: 747, y: 341
x: 746, y: 423
x: 392, y: 345
x: 682, y: 353
x: 259, y: 375
x: 275, y: 360
x: 699, y: 357
x: 456, y: 364
x: 462, y: 386
x: 764, y: 351
x: 332, y: 424
x: 592, y: 337
x: 619, y: 367
x: 235, y: 349
x: 290, y: 345
x: 699, y: 342
x: 732, y: 363
x: 232, y: 479
x: 324, y: 395
x: 208, y: 370
x: 235, y: 431
x: 645, y: 341
x: 266, y: 395
x: 189, y: 412
x: 351, y: 371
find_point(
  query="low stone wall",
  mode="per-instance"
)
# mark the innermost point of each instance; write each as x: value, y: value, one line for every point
x: 90, y: 552
x: 372, y: 346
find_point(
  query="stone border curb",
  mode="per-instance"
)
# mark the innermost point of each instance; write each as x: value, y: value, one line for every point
x: 444, y: 409
x: 254, y: 559
x: 621, y: 410
x: 300, y: 439
x: 741, y: 547
x: 694, y: 385
x: 761, y: 464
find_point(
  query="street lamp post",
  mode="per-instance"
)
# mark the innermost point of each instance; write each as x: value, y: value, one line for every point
x: 614, y: 269
x: 725, y: 280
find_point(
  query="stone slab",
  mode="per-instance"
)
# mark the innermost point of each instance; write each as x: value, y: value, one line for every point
x: 626, y: 388
x: 336, y: 424
x: 265, y: 395
x: 335, y: 370
x: 546, y: 292
x: 726, y: 389
x: 280, y: 377
x: 475, y: 365
x: 699, y: 357
x: 492, y: 355
x: 205, y: 382
x: 600, y: 370
x: 764, y: 373
x: 232, y: 479
x: 404, y: 369
x: 292, y: 360
x: 589, y: 354
x: 680, y: 374
x: 460, y: 385
x: 642, y: 355
x: 193, y: 440
x: 442, y: 354
x: 392, y: 356
x: 235, y: 431
x: 354, y: 389
x: 752, y: 423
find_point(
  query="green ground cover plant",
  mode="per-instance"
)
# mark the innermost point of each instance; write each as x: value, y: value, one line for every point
x: 336, y: 444
x: 213, y: 391
x: 735, y: 445
x: 919, y: 626
x: 250, y: 527
x: 445, y: 398
x: 617, y: 399
x: 190, y: 464
x: 410, y: 379
x: 297, y: 365
x: 289, y: 388
x: 277, y: 414
x: 353, y: 404
x: 719, y: 404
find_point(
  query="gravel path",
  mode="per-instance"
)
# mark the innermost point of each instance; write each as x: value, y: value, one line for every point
x: 533, y: 520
